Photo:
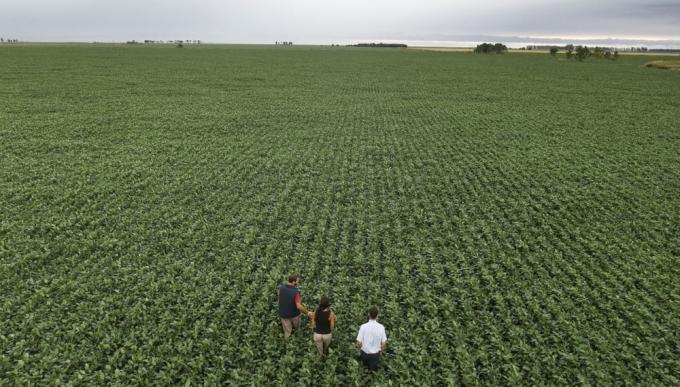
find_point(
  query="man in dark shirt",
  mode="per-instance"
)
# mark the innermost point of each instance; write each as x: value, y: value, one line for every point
x: 290, y: 305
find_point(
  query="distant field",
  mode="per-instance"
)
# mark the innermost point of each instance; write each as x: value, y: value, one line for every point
x: 515, y: 50
x: 664, y: 64
x: 515, y: 218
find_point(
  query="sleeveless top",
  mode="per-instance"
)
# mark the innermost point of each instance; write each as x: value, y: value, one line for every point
x: 323, y: 322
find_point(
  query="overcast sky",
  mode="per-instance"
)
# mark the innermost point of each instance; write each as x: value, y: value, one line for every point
x: 328, y: 21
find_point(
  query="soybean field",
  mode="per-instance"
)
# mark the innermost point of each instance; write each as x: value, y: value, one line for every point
x: 515, y: 218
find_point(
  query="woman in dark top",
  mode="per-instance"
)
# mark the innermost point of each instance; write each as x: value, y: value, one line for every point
x: 323, y: 322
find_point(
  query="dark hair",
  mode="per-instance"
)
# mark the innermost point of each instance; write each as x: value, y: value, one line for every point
x: 373, y: 312
x: 324, y: 303
x: 293, y: 277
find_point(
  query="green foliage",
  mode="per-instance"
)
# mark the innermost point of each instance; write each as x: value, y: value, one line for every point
x: 582, y: 53
x: 509, y: 231
x: 488, y: 48
x: 599, y: 52
x: 553, y: 51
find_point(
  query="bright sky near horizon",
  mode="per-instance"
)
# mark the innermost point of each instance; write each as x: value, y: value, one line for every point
x: 328, y: 21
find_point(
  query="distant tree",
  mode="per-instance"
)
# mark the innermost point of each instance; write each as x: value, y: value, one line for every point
x: 598, y: 52
x: 553, y: 51
x: 488, y: 48
x: 180, y: 45
x: 482, y: 48
x: 582, y: 53
x: 500, y: 48
x: 2, y: 40
x: 608, y: 55
x: 616, y: 55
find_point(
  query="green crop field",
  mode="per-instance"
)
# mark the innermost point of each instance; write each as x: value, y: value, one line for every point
x: 516, y: 218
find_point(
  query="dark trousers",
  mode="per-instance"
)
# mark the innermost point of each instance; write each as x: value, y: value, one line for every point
x: 370, y: 360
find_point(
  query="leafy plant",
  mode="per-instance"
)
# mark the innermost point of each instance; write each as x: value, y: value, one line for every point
x: 510, y: 231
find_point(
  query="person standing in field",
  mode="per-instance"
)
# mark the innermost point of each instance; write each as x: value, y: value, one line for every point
x: 290, y: 305
x: 371, y: 340
x: 323, y: 322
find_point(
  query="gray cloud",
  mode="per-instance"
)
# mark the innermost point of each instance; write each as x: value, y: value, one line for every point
x: 664, y: 7
x: 319, y: 21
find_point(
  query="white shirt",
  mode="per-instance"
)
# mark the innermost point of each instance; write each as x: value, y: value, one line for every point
x: 371, y: 335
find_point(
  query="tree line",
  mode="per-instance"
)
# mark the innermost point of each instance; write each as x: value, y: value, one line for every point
x: 383, y: 45
x: 582, y: 53
x: 3, y: 40
x: 490, y: 48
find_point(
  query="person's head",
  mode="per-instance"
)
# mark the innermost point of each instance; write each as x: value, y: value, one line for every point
x: 294, y: 279
x: 373, y: 313
x: 324, y: 303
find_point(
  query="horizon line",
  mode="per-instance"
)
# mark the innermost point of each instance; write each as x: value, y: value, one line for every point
x: 623, y: 40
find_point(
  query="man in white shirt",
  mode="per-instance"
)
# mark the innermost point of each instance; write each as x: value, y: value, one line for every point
x: 371, y: 340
